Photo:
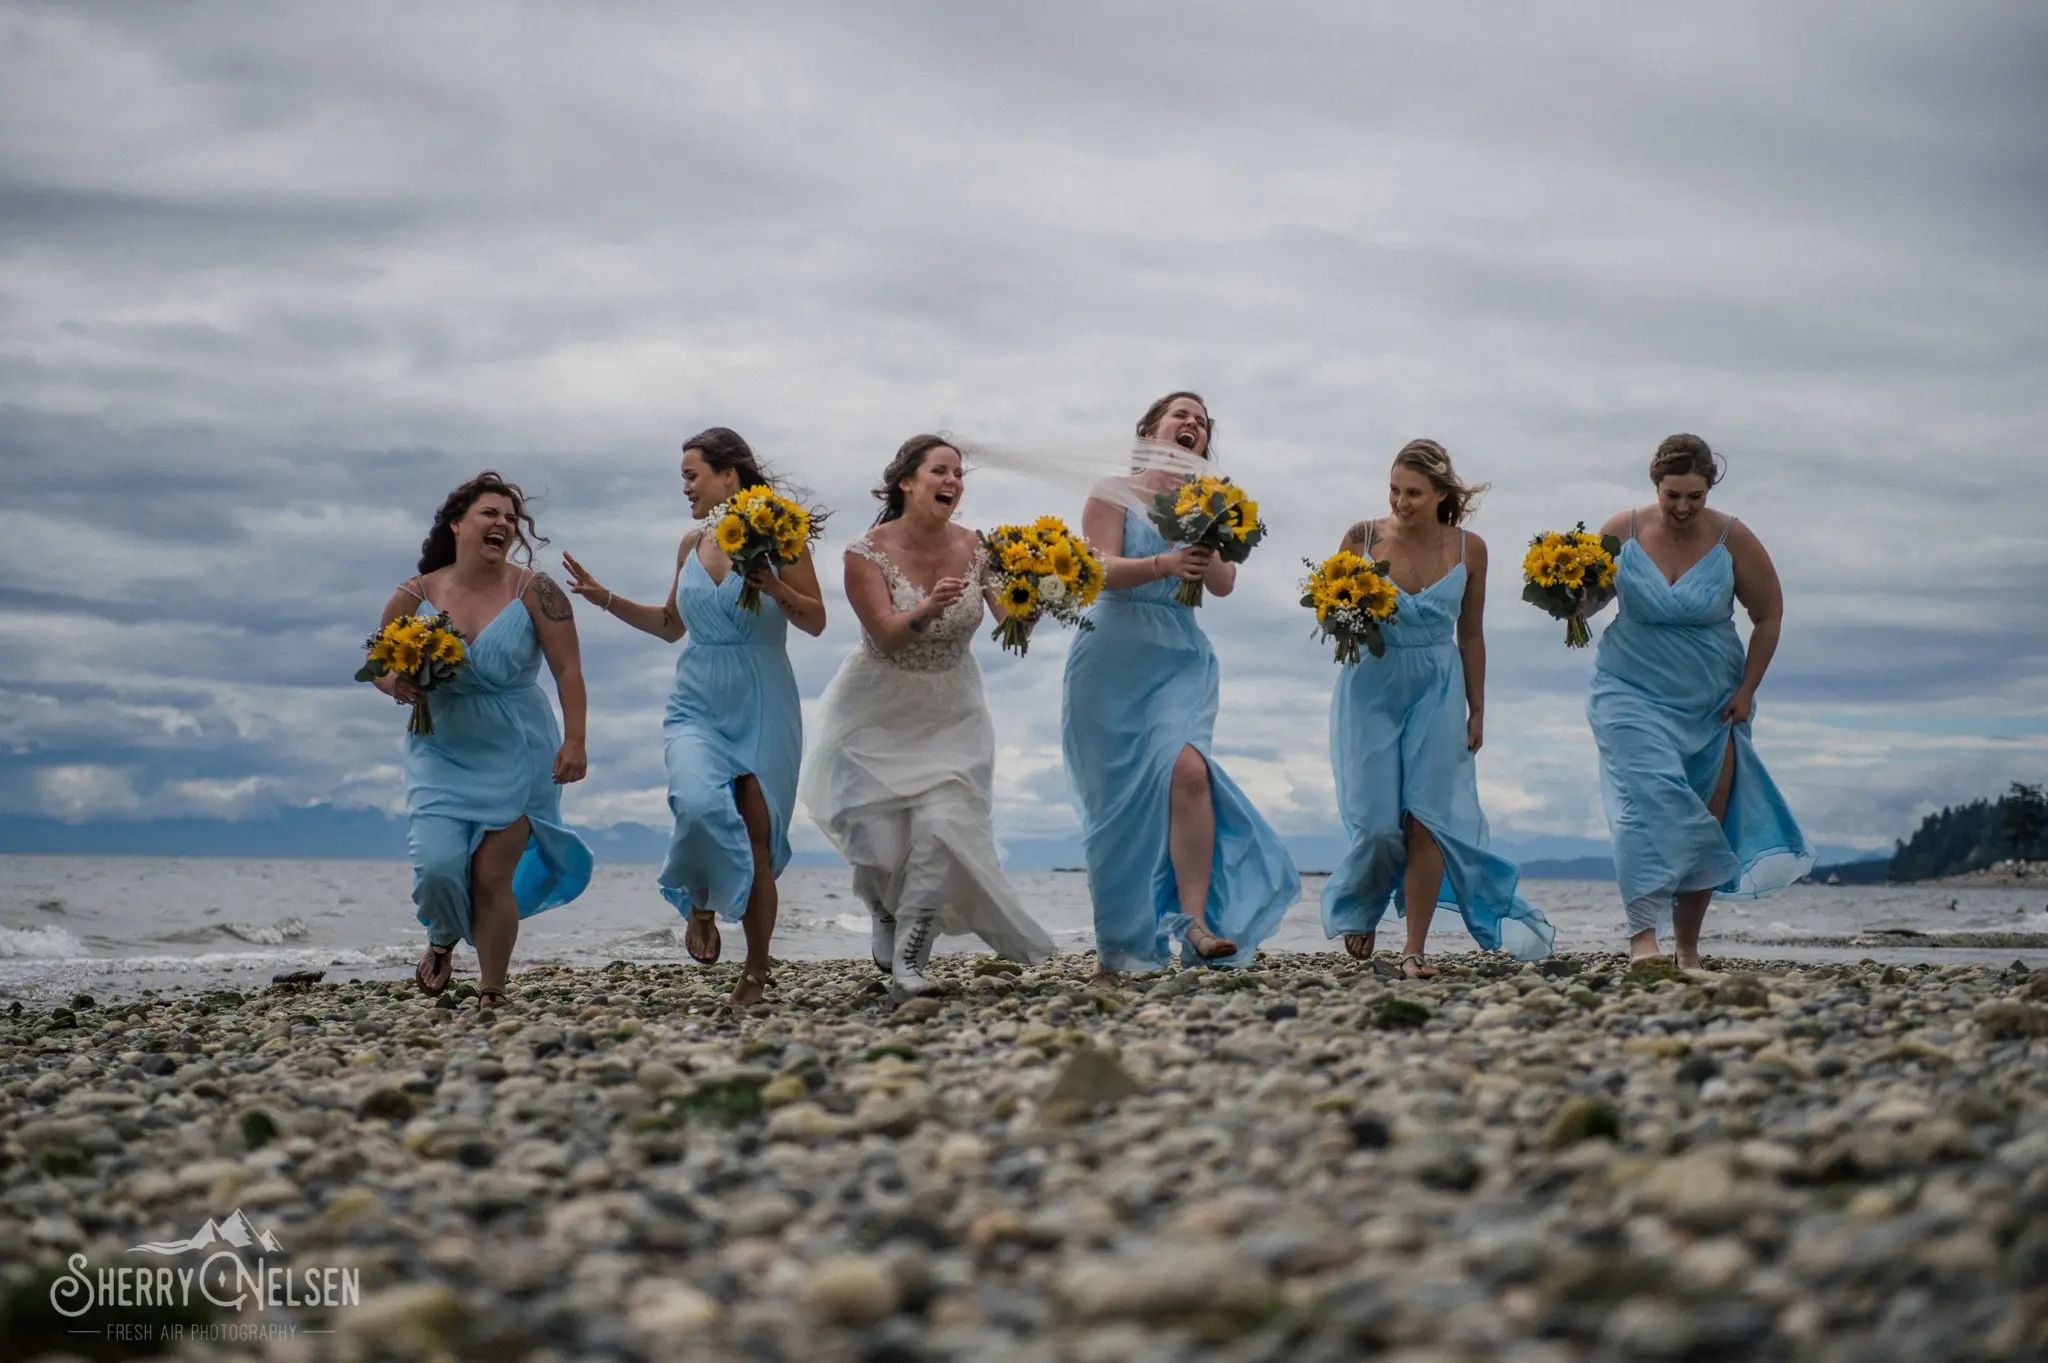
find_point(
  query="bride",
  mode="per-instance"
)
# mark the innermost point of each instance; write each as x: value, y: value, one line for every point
x: 901, y: 777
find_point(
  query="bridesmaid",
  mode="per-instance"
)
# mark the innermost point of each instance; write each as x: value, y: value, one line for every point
x: 483, y: 791
x: 1173, y: 847
x: 1689, y: 805
x: 733, y: 735
x: 1404, y: 728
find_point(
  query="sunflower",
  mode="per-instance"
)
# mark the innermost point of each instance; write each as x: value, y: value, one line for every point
x: 732, y: 533
x: 448, y: 647
x: 1020, y: 597
x: 763, y: 516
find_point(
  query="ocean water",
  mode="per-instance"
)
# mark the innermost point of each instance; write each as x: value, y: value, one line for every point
x: 111, y: 926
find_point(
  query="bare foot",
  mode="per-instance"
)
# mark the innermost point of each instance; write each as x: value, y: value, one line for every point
x: 702, y: 938
x: 750, y: 990
x: 1688, y: 960
x: 1207, y: 945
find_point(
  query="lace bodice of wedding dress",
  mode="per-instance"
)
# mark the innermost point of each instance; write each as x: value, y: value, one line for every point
x: 947, y: 640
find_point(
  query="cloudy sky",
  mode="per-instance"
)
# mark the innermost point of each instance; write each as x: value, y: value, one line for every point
x: 273, y: 278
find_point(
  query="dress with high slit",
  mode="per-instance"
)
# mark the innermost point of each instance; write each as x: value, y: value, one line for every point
x: 901, y: 779
x: 1666, y: 669
x: 733, y: 711
x: 489, y: 762
x: 1141, y: 687
x: 1399, y: 748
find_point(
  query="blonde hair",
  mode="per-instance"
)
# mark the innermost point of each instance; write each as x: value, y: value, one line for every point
x: 1680, y: 455
x: 1433, y: 461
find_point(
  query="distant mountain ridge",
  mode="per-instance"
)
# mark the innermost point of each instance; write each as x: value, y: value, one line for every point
x: 328, y: 833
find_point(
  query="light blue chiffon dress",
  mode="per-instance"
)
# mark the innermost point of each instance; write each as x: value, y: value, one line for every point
x: 733, y: 712
x: 490, y: 760
x: 1665, y: 669
x: 1398, y: 744
x: 1140, y: 687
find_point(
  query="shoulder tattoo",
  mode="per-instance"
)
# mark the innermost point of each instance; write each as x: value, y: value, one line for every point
x: 553, y: 604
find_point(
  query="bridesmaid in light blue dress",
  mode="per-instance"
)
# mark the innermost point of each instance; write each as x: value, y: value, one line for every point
x: 483, y: 790
x: 1690, y: 808
x: 1404, y: 731
x: 1174, y: 849
x: 733, y: 734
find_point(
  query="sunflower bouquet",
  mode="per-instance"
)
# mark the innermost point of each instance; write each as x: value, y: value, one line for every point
x: 756, y: 523
x: 1209, y: 513
x: 1041, y: 569
x: 1352, y: 598
x: 425, y: 650
x: 1567, y: 573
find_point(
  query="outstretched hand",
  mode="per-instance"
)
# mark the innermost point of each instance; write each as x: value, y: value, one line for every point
x: 583, y: 584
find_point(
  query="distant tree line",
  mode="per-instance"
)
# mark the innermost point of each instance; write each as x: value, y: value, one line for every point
x: 1971, y: 837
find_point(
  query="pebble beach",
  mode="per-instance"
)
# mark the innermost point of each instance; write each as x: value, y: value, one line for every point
x: 1306, y: 1160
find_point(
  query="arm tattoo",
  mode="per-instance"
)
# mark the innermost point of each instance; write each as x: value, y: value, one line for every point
x: 668, y: 617
x: 553, y: 605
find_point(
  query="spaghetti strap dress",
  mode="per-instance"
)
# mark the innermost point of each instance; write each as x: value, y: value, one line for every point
x: 733, y: 711
x: 1141, y: 686
x: 1665, y: 669
x: 1399, y: 748
x: 489, y: 761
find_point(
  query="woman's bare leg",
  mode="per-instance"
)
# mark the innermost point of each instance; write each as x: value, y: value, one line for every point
x: 1420, y: 882
x: 1689, y: 914
x: 493, y: 911
x: 763, y: 901
x: 1191, y: 846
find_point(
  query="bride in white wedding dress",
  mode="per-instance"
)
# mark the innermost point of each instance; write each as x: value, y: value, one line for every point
x: 901, y: 772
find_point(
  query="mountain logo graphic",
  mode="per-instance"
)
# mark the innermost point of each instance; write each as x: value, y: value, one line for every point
x: 233, y: 1229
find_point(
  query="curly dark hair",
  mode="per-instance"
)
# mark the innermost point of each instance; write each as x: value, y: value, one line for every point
x: 437, y: 550
x: 910, y: 457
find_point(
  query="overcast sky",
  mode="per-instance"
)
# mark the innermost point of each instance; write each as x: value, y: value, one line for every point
x: 273, y: 278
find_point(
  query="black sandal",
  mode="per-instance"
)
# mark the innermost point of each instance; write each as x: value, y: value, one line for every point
x: 1361, y: 945
x: 491, y: 999
x: 717, y: 939
x: 435, y: 955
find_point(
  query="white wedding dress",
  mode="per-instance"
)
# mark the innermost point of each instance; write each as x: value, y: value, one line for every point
x: 900, y: 778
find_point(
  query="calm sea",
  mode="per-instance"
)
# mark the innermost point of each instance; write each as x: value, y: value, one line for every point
x: 117, y: 925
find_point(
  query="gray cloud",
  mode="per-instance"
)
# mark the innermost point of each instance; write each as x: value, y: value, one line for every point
x: 272, y: 280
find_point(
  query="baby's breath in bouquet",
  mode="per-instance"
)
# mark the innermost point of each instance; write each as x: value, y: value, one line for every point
x: 1352, y: 597
x: 1042, y: 569
x: 759, y: 522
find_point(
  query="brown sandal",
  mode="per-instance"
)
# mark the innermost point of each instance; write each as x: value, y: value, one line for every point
x: 1217, y: 946
x: 1361, y: 945
x: 439, y: 957
x: 717, y: 937
x: 1422, y: 969
x: 764, y: 979
x: 491, y: 999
